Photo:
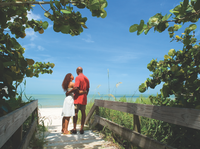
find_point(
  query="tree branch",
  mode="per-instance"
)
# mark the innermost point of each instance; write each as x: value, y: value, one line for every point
x: 2, y: 4
x: 191, y: 15
x: 44, y: 9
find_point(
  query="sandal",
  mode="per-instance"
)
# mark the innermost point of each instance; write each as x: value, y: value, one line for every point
x: 81, y: 131
x: 73, y: 131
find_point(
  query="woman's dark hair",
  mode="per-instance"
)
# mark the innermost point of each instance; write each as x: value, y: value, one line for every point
x: 66, y: 81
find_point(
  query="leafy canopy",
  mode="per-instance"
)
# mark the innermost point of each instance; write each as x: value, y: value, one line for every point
x: 14, y: 67
x: 179, y: 72
x: 180, y: 69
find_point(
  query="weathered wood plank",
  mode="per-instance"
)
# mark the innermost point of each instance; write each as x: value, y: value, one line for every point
x: 132, y: 136
x: 179, y: 116
x: 97, y: 110
x: 37, y: 115
x: 90, y: 113
x: 28, y: 136
x: 94, y: 123
x: 12, y: 121
x: 136, y: 123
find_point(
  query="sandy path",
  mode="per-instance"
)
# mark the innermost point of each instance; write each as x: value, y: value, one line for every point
x: 53, y: 120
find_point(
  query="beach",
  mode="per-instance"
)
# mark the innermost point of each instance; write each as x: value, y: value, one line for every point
x: 56, y: 100
x: 51, y: 116
x: 56, y: 140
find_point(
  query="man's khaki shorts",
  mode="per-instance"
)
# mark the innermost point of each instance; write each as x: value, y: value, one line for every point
x: 79, y: 107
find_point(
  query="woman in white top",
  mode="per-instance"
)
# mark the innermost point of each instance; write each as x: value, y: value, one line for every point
x: 68, y: 105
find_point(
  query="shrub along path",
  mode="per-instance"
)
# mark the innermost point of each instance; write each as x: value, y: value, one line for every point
x: 56, y: 140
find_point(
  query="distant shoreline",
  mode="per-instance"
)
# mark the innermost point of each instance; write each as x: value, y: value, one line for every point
x: 56, y: 100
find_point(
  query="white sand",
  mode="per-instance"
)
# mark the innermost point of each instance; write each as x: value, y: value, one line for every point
x: 53, y: 120
x: 55, y: 140
x: 51, y: 116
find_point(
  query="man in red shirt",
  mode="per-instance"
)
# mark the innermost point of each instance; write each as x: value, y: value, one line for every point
x: 80, y: 100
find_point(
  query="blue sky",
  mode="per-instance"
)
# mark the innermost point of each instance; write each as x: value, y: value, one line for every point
x: 106, y: 44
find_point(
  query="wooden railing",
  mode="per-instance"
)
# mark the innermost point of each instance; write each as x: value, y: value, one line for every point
x: 11, y: 125
x: 179, y: 116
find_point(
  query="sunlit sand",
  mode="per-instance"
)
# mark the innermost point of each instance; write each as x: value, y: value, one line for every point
x: 53, y: 120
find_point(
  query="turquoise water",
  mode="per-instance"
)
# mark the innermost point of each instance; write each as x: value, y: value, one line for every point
x: 56, y: 100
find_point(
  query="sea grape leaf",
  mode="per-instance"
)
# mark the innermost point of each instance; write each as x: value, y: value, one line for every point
x: 65, y: 29
x: 45, y: 24
x: 65, y: 11
x: 142, y: 88
x: 104, y: 14
x: 166, y: 17
x: 133, y: 28
x: 192, y: 26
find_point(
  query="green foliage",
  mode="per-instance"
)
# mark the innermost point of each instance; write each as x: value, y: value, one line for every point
x: 187, y: 11
x: 180, y: 69
x: 70, y: 22
x: 179, y: 72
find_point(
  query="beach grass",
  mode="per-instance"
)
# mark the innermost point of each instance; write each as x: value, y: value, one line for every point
x: 38, y: 139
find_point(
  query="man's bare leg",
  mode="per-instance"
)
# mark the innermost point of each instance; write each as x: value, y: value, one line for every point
x: 82, y: 119
x: 75, y: 118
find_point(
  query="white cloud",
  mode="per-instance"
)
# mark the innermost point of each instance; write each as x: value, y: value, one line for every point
x: 124, y: 75
x: 29, y: 46
x: 197, y: 33
x: 50, y: 25
x: 88, y: 39
x: 32, y: 45
x: 40, y: 48
x: 46, y: 58
x: 30, y: 33
x: 122, y: 58
x: 162, y: 4
x: 31, y: 16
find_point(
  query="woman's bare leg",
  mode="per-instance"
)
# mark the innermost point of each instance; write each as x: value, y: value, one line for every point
x: 63, y: 124
x: 66, y: 123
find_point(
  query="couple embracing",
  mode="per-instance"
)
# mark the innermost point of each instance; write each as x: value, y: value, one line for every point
x: 76, y: 99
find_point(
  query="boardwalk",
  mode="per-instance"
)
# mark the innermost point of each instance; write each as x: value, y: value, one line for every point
x: 55, y: 140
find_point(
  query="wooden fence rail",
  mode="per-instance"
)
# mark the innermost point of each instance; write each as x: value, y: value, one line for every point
x: 179, y: 116
x: 11, y: 125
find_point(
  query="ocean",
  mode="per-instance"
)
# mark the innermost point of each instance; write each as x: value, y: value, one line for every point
x: 56, y: 100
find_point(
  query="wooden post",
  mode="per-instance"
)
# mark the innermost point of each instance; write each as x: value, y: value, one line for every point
x: 27, y: 137
x: 95, y: 124
x: 90, y: 114
x: 35, y: 114
x: 17, y: 137
x: 97, y: 110
x: 136, y: 123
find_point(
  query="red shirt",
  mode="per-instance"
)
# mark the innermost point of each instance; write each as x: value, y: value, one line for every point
x: 82, y: 83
